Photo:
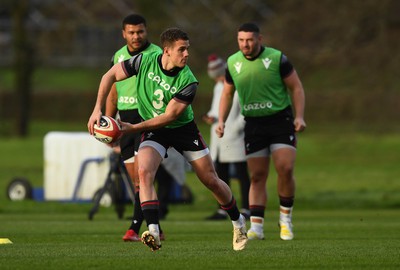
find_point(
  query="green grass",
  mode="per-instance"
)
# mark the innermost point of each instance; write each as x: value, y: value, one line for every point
x: 64, y: 238
x: 346, y: 215
x: 57, y: 79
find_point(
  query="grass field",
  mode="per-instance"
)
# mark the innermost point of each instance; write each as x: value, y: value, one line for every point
x: 347, y: 215
x: 63, y: 238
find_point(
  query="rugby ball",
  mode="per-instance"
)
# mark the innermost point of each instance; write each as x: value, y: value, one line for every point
x: 109, y: 131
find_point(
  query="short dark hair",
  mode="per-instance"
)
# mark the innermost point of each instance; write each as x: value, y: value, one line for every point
x: 249, y: 27
x: 133, y: 19
x: 171, y: 35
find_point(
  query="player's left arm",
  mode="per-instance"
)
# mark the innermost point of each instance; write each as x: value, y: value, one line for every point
x: 296, y: 91
x: 175, y: 107
x: 172, y: 112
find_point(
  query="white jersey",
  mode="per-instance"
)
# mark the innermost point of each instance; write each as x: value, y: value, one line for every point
x: 229, y: 148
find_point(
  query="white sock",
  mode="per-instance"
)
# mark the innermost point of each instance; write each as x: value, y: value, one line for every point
x: 285, y: 214
x: 241, y: 222
x: 257, y: 224
x: 154, y: 228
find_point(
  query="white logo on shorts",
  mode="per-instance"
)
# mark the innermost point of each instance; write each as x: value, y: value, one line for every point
x: 196, y: 142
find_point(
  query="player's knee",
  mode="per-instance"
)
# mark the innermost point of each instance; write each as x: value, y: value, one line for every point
x: 144, y: 174
x: 258, y: 177
x: 285, y: 170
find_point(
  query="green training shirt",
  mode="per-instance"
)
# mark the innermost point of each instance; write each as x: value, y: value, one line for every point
x: 156, y: 89
x: 126, y: 89
x: 258, y: 82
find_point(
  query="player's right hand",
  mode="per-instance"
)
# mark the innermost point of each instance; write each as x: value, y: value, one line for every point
x: 94, y: 119
x: 220, y: 129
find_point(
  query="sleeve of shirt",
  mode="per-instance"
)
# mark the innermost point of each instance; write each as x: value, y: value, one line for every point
x: 187, y: 94
x: 132, y: 65
x: 286, y: 68
x: 228, y: 77
x: 112, y: 61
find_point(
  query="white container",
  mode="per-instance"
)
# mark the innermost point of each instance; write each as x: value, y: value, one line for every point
x: 64, y: 155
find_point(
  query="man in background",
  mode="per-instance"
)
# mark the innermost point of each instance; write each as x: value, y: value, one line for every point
x: 123, y: 100
x: 272, y: 101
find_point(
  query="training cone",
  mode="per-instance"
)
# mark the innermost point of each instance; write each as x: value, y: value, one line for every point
x: 5, y: 241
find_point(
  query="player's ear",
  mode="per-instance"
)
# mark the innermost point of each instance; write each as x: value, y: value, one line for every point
x: 167, y: 51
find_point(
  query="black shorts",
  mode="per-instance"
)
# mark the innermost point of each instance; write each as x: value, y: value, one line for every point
x: 186, y: 138
x: 130, y: 142
x: 262, y: 132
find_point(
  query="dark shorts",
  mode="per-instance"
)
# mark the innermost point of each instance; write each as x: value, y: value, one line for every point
x: 262, y: 132
x: 186, y: 139
x: 130, y: 142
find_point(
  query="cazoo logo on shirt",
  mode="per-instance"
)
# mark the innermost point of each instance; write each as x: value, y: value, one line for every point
x: 157, y: 79
x: 127, y: 100
x: 257, y: 106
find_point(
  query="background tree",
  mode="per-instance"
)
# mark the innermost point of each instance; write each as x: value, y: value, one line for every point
x: 23, y: 65
x: 345, y: 51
